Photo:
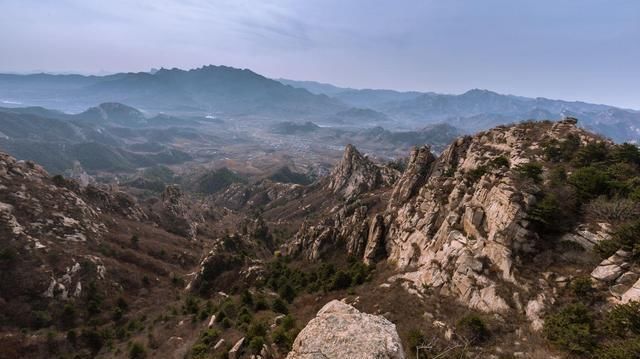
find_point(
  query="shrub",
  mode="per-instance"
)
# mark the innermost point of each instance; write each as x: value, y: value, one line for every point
x: 591, y: 153
x: 260, y: 304
x: 94, y: 299
x: 545, y: 213
x: 557, y: 151
x: 415, y: 338
x: 557, y: 176
x: 627, y: 153
x: 41, y: 319
x: 499, y: 162
x: 288, y: 323
x: 624, y: 319
x: 68, y: 317
x: 279, y: 306
x: 287, y: 293
x: 531, y: 170
x: 93, y: 339
x: 247, y: 298
x: 628, y: 236
x: 620, y: 349
x: 475, y: 174
x: 137, y: 351
x: 582, y: 288
x: 72, y: 337
x: 473, y: 328
x: 590, y: 182
x: 199, y: 350
x: 7, y: 255
x: 281, y: 338
x: 606, y: 248
x: 255, y: 345
x: 342, y: 280
x: 257, y: 330
x: 571, y: 329
x: 613, y: 210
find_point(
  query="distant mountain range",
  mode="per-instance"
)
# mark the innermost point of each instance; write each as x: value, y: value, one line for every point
x: 481, y: 109
x: 232, y: 93
x: 209, y: 89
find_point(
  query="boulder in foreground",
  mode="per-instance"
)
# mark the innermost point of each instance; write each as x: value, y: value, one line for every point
x: 341, y: 331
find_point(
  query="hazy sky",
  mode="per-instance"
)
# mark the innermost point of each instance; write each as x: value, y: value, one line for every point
x: 571, y: 49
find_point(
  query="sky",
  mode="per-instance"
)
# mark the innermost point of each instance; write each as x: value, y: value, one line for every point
x: 569, y: 49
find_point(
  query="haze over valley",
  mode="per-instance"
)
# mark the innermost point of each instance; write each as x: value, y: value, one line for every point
x: 461, y: 181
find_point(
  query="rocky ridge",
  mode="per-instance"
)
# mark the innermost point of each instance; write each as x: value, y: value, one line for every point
x: 457, y: 224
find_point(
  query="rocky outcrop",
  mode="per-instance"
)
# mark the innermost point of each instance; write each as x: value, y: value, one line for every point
x: 175, y: 216
x: 351, y: 223
x: 347, y: 226
x: 455, y: 227
x: 612, y: 268
x: 341, y: 331
x: 414, y: 176
x: 265, y: 194
x: 459, y: 224
x: 233, y: 257
x: 37, y: 212
x: 110, y: 200
x: 587, y: 237
x: 356, y: 174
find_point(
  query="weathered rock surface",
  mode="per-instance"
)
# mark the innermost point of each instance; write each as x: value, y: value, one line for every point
x: 611, y: 268
x: 348, y: 225
x: 175, y: 216
x: 37, y: 212
x: 356, y: 174
x: 352, y: 222
x: 265, y: 193
x: 633, y: 294
x: 588, y: 238
x: 341, y: 331
x: 458, y: 223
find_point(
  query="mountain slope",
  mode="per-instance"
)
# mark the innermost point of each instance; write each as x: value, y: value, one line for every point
x: 218, y: 89
x: 478, y: 109
x: 510, y: 221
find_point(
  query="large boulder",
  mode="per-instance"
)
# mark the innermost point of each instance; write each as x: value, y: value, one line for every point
x: 341, y: 331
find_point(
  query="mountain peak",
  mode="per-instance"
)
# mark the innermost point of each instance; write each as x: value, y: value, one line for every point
x: 479, y: 92
x: 112, y: 112
x: 354, y: 174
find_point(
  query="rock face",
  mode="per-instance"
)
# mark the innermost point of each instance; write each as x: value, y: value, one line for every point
x: 457, y: 224
x: 356, y: 174
x: 341, y: 331
x: 37, y: 212
x: 266, y: 193
x: 175, y: 216
x: 348, y: 225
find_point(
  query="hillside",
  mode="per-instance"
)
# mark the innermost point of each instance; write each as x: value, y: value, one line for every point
x: 518, y: 239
